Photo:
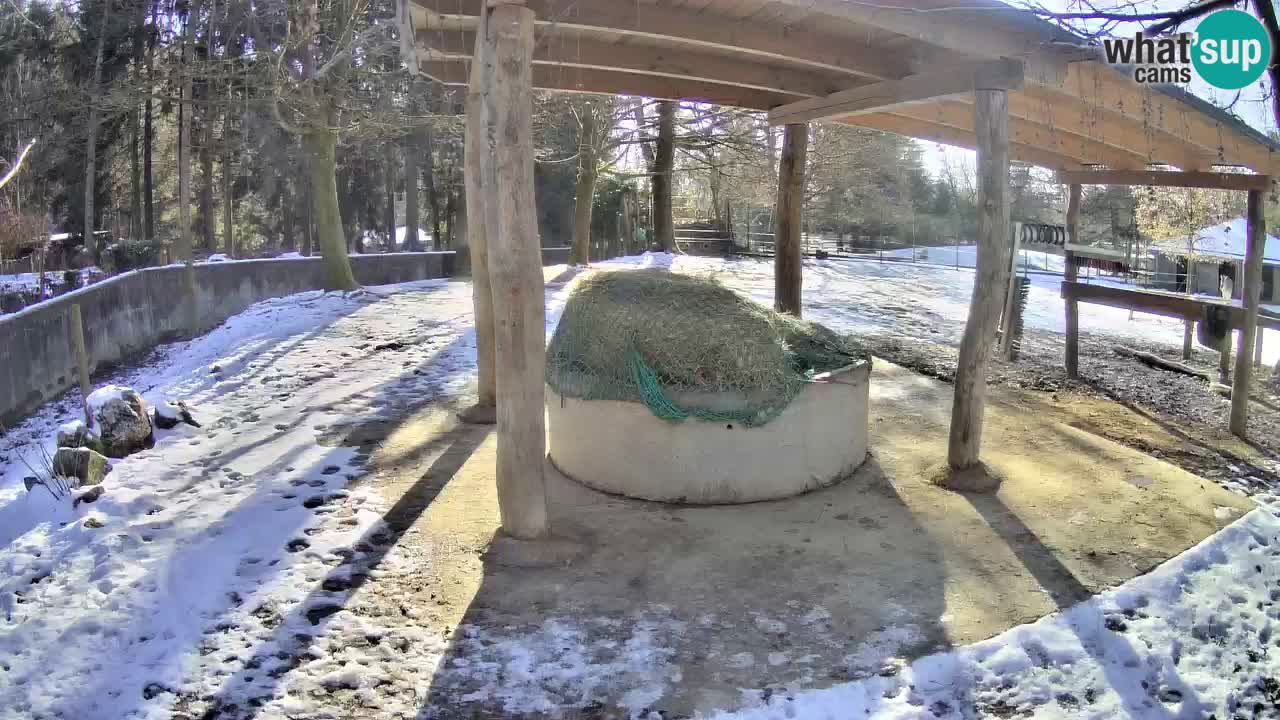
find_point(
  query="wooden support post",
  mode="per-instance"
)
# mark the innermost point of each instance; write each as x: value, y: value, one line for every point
x: 75, y: 330
x: 991, y: 127
x: 1224, y: 358
x: 484, y: 410
x: 787, y: 260
x: 515, y: 268
x: 1250, y: 295
x: 1257, y: 350
x: 1011, y: 297
x: 1070, y: 272
x: 1188, y: 332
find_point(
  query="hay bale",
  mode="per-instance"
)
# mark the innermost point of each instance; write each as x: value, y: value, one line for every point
x: 653, y: 335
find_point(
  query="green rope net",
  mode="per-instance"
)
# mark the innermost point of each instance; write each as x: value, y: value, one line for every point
x: 686, y: 347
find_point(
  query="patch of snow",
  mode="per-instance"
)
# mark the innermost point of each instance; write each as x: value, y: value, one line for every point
x: 1192, y: 639
x: 99, y: 398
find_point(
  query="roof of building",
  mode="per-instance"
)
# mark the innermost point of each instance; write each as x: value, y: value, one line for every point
x: 1070, y: 111
x: 1227, y: 240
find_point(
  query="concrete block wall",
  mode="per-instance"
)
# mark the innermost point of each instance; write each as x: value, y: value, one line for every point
x: 133, y: 312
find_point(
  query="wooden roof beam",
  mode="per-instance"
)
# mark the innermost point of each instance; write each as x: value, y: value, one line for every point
x: 685, y: 63
x: 1029, y: 133
x: 947, y: 135
x: 882, y: 96
x: 1110, y: 90
x: 994, y: 31
x: 640, y: 20
x: 1163, y: 178
x: 604, y: 82
x: 1061, y: 111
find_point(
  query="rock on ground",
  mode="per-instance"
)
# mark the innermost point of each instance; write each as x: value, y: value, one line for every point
x: 121, y: 419
x: 83, y: 464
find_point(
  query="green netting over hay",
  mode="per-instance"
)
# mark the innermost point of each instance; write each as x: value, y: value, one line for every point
x: 686, y: 347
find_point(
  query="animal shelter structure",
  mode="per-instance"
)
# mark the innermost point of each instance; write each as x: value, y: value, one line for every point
x: 972, y: 73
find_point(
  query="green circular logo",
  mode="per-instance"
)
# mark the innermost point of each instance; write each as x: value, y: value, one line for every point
x: 1232, y: 49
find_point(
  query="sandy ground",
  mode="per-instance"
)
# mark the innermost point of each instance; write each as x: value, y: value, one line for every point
x: 842, y: 583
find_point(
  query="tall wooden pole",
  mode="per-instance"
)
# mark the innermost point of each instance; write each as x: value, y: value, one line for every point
x: 1250, y: 296
x: 787, y: 259
x: 991, y: 126
x: 515, y: 267
x: 481, y: 290
x: 1069, y: 275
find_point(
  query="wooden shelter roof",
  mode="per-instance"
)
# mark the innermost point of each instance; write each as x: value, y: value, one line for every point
x: 899, y: 66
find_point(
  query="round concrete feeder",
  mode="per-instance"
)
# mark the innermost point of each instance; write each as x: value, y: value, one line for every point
x: 622, y: 448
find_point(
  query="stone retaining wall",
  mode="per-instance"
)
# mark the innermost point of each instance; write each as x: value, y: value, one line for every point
x: 135, y: 311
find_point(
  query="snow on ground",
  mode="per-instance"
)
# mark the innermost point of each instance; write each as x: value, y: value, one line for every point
x: 1193, y: 639
x: 30, y: 281
x: 225, y: 557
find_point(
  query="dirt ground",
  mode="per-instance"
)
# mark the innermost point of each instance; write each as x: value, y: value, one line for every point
x: 805, y: 592
x: 1184, y: 420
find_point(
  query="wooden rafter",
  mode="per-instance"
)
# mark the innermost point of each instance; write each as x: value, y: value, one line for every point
x: 676, y: 24
x: 882, y: 96
x: 934, y: 132
x: 587, y: 80
x: 1162, y: 178
x: 1027, y: 133
x: 683, y: 63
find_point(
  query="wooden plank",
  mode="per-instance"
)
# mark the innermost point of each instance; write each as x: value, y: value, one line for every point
x: 1165, y: 178
x: 876, y: 97
x: 1250, y: 295
x: 485, y: 409
x: 1109, y: 89
x: 1112, y: 126
x: 641, y: 20
x: 787, y: 261
x: 1072, y: 360
x: 1165, y: 304
x: 594, y: 81
x: 1028, y: 133
x: 563, y: 50
x: 515, y: 266
x: 991, y: 120
x: 976, y: 30
x: 935, y: 132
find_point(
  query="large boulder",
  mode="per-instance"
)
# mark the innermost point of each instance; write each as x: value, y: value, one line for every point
x: 76, y: 434
x: 121, y: 420
x: 83, y: 464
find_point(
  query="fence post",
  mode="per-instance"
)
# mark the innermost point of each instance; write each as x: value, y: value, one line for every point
x: 75, y: 326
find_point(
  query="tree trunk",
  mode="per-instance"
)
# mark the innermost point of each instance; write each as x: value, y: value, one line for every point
x: 228, y: 206
x: 148, y: 135
x: 206, y: 171
x: 516, y: 267
x: 322, y: 161
x: 412, y: 217
x: 991, y: 123
x: 584, y: 190
x: 288, y: 240
x: 135, y: 175
x: 429, y: 181
x: 787, y: 260
x: 389, y: 209
x: 477, y: 236
x: 91, y: 138
x: 664, y: 162
x: 183, y: 245
x: 308, y: 207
